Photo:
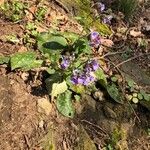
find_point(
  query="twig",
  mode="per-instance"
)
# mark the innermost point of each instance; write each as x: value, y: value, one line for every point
x: 27, y: 141
x: 130, y: 59
x: 112, y: 53
x: 94, y: 126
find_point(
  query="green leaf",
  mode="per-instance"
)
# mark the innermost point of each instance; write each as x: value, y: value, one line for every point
x: 58, y: 88
x: 25, y: 61
x: 48, y: 42
x: 64, y: 104
x: 114, y: 93
x: 114, y: 79
x: 145, y: 95
x: 101, y: 77
x: 54, y: 78
x: 82, y: 46
x: 130, y: 82
x: 50, y: 71
x: 72, y: 37
x: 140, y: 96
x: 80, y: 89
x: 4, y: 60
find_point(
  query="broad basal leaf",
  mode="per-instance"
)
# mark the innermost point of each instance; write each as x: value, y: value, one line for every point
x: 114, y: 93
x: 25, y: 61
x: 101, y: 77
x: 58, y: 88
x: 48, y: 42
x: 64, y: 104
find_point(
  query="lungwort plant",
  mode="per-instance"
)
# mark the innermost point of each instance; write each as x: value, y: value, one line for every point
x: 72, y: 66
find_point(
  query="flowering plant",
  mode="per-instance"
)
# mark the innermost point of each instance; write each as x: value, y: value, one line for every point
x: 72, y: 65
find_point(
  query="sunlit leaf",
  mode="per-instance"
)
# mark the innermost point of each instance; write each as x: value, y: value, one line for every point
x: 25, y: 61
x: 48, y: 42
x: 58, y: 88
x: 64, y: 104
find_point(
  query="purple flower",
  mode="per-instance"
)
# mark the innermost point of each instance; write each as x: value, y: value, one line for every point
x: 89, y: 79
x: 101, y: 7
x: 95, y: 65
x: 74, y: 80
x: 82, y: 79
x: 95, y: 39
x: 107, y: 19
x: 91, y: 66
x: 65, y: 62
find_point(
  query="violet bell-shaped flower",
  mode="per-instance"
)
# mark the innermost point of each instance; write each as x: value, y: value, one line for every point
x: 83, y: 79
x: 107, y: 19
x: 95, y: 40
x: 101, y: 7
x: 92, y: 66
x: 65, y: 63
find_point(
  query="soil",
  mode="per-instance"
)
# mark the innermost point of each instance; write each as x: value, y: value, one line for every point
x: 23, y: 126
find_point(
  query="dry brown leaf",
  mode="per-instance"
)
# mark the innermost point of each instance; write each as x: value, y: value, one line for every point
x: 135, y: 33
x: 107, y: 42
x: 30, y: 12
x: 40, y: 29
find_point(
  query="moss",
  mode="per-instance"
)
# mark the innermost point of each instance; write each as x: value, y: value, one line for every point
x: 84, y: 11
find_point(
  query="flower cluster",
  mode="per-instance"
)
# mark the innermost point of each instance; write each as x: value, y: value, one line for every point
x: 106, y: 19
x: 86, y: 77
x: 66, y: 61
x: 95, y: 40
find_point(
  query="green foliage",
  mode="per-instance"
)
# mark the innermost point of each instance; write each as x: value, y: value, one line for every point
x: 25, y: 61
x: 115, y: 93
x: 101, y: 77
x: 82, y: 46
x: 128, y: 7
x: 12, y: 38
x: 48, y: 42
x: 13, y: 10
x: 85, y: 16
x: 133, y: 88
x: 40, y: 14
x: 58, y: 88
x: 64, y: 104
x: 4, y: 60
x: 117, y: 135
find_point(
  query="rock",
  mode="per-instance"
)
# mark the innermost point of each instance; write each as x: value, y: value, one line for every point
x: 44, y: 106
x: 109, y: 113
x: 99, y: 95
